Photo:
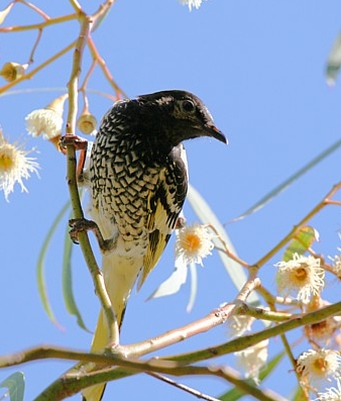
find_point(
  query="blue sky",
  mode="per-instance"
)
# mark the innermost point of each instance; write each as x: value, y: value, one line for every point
x: 260, y: 68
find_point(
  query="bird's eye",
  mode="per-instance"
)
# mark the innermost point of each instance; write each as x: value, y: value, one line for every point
x: 188, y: 106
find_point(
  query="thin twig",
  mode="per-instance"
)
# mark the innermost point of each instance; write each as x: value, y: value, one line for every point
x: 263, y: 314
x: 180, y: 386
x: 34, y: 48
x: 76, y: 6
x: 288, y: 350
x: 87, y: 76
x: 103, y: 10
x: 71, y: 384
x: 35, y: 8
x: 226, y: 248
x: 325, y: 201
x: 37, y: 69
x: 40, y: 25
x: 73, y: 188
x: 246, y: 341
x: 96, y: 56
x: 215, y: 318
x: 76, y: 381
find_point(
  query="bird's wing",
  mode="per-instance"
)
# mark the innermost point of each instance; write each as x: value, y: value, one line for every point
x: 165, y: 205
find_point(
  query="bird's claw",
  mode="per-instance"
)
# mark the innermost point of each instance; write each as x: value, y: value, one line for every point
x: 80, y: 225
x: 79, y: 144
x: 72, y: 140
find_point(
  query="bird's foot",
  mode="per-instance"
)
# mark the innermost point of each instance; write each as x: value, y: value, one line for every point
x: 72, y: 140
x: 78, y: 143
x: 82, y: 225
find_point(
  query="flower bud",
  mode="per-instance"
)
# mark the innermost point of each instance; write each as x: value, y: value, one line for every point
x: 87, y: 123
x: 47, y: 121
x: 12, y: 71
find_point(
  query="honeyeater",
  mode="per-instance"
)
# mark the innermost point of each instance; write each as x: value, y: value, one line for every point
x: 138, y: 184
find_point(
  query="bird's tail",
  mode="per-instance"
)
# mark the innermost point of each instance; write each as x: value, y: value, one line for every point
x: 120, y: 274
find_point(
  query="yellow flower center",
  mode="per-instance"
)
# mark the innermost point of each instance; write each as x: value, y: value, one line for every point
x: 6, y: 162
x: 192, y: 242
x: 301, y: 274
x: 320, y: 364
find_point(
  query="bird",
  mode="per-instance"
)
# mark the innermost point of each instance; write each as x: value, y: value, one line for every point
x: 138, y: 179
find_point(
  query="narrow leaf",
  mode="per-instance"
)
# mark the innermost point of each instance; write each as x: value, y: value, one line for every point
x: 174, y: 282
x: 285, y: 184
x: 235, y: 393
x: 16, y: 386
x: 68, y: 294
x: 5, y: 12
x: 206, y: 215
x: 301, y: 243
x: 41, y: 265
x: 194, y: 286
x: 334, y: 61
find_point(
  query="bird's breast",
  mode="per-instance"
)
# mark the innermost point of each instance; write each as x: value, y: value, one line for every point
x: 121, y: 183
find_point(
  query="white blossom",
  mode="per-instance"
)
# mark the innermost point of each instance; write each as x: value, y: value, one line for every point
x: 194, y: 243
x: 302, y: 275
x: 319, y: 365
x: 331, y: 394
x: 47, y: 121
x: 191, y: 3
x: 239, y: 324
x: 253, y: 359
x: 14, y: 166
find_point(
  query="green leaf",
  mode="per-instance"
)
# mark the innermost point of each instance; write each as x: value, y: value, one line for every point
x: 334, y: 61
x: 41, y: 265
x: 68, y: 294
x: 206, y: 215
x: 5, y: 12
x: 301, y: 243
x: 235, y: 393
x: 285, y: 184
x: 174, y: 282
x: 16, y: 386
x: 194, y: 286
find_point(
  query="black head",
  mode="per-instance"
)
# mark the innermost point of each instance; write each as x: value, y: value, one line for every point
x: 176, y: 116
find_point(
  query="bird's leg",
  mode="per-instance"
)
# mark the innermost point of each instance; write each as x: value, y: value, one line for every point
x: 81, y: 225
x: 78, y: 143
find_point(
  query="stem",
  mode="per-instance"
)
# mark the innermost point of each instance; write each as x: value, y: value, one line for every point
x: 96, y: 56
x: 325, y: 201
x: 37, y: 69
x: 288, y: 351
x: 40, y: 25
x: 70, y: 385
x: 35, y: 8
x: 74, y: 381
x: 246, y: 341
x: 73, y: 82
x: 72, y: 182
x: 215, y: 318
x: 76, y: 6
x: 103, y: 10
x: 196, y: 393
x: 31, y: 58
x: 226, y: 248
x: 262, y: 314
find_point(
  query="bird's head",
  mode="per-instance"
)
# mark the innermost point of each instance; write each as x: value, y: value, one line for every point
x: 176, y: 116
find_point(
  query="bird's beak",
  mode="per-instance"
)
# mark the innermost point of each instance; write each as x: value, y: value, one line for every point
x: 214, y: 132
